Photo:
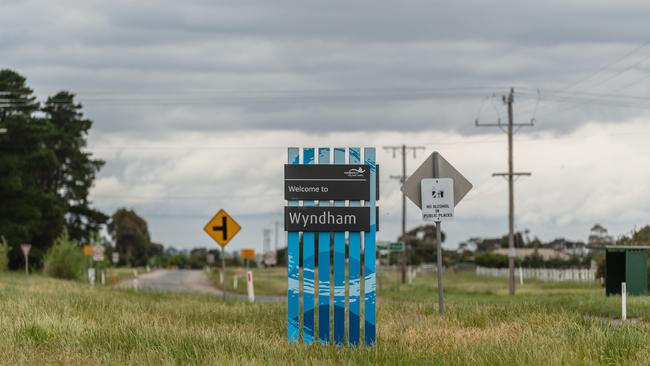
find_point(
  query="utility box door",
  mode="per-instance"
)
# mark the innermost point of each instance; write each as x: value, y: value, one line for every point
x: 614, y: 271
x: 636, y: 272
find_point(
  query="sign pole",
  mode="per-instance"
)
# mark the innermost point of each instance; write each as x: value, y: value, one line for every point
x: 441, y: 304
x: 223, y: 270
x: 26, y: 266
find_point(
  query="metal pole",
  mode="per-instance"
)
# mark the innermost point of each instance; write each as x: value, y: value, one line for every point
x: 26, y: 266
x: 441, y: 305
x: 223, y: 271
x: 511, y: 204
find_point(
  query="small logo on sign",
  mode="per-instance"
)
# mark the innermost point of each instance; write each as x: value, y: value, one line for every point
x: 438, y: 194
x: 358, y: 172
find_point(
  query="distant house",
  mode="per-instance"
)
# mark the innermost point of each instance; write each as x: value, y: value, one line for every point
x: 546, y: 253
x: 574, y: 248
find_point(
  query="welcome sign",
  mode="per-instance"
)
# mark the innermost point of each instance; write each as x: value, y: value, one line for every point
x: 327, y: 219
x: 327, y: 182
x: 330, y: 192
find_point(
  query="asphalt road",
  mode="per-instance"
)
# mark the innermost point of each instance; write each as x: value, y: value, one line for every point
x: 193, y: 281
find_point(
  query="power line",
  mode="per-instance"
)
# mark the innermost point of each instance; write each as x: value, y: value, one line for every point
x: 605, y: 67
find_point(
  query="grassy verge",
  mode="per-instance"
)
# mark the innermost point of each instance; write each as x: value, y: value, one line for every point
x: 270, y: 281
x: 57, y: 322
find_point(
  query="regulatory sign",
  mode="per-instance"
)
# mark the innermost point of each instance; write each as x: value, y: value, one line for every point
x: 435, y: 167
x: 210, y: 258
x: 222, y: 228
x: 327, y: 182
x: 248, y: 253
x: 437, y: 199
x: 98, y: 252
x: 26, y: 248
x: 115, y: 257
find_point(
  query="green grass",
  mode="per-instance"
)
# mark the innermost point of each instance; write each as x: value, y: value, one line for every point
x: 271, y: 281
x: 58, y: 322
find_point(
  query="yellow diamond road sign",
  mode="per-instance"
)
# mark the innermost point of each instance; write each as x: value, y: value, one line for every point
x: 222, y: 228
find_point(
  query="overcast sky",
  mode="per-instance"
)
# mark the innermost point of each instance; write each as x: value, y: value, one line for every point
x: 195, y: 102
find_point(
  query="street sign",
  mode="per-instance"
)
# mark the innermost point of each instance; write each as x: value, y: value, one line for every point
x: 98, y: 252
x: 210, y: 258
x: 396, y: 247
x: 248, y: 254
x: 391, y: 247
x: 327, y: 182
x: 88, y: 250
x: 435, y: 166
x: 437, y: 199
x: 222, y: 228
x: 26, y: 248
x: 115, y: 257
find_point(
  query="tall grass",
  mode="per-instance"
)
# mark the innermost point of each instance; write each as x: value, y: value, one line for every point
x: 48, y: 321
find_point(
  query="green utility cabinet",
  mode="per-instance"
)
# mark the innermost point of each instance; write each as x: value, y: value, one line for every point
x: 629, y: 265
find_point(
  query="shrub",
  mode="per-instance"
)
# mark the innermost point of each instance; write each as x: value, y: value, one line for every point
x: 64, y: 259
x: 4, y: 254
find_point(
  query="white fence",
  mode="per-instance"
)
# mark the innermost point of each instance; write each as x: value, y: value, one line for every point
x: 544, y: 274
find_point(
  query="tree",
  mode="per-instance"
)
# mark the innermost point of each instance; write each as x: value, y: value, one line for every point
x: 422, y: 242
x: 45, y: 176
x: 28, y: 211
x: 76, y: 171
x: 598, y: 236
x: 642, y: 237
x: 130, y: 233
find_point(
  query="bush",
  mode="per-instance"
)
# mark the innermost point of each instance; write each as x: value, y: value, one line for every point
x: 4, y: 254
x: 65, y: 259
x: 491, y: 260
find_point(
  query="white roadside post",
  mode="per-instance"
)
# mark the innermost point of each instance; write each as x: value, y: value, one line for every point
x: 623, y: 302
x: 26, y: 248
x: 436, y: 187
x: 91, y: 276
x: 251, y: 290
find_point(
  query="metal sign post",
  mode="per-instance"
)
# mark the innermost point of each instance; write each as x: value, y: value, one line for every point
x: 436, y: 187
x: 438, y: 205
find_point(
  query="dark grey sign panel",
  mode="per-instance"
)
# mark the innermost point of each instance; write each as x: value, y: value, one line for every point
x: 327, y: 182
x: 327, y: 218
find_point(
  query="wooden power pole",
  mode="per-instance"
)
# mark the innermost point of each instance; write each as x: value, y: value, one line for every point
x: 510, y: 176
x: 402, y: 179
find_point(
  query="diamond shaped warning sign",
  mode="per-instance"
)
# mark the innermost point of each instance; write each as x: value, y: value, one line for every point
x: 222, y: 228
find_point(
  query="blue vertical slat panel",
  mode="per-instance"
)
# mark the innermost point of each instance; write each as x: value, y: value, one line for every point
x: 308, y: 268
x: 339, y: 268
x: 324, y: 268
x: 355, y: 269
x: 370, y: 248
x: 293, y: 269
